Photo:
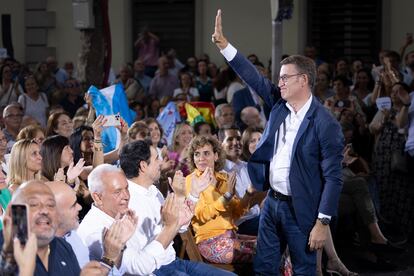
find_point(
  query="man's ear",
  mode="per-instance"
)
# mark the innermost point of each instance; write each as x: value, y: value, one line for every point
x: 97, y: 198
x: 142, y: 166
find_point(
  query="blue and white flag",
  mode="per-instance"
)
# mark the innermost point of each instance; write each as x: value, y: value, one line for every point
x: 109, y: 101
x: 168, y: 118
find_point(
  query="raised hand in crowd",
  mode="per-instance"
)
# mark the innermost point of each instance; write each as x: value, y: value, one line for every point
x: 74, y: 170
x: 98, y: 126
x: 170, y: 212
x: 199, y: 184
x: 115, y: 238
x: 178, y: 185
x: 94, y: 268
x: 231, y: 183
x: 60, y: 175
x: 123, y: 129
x: 217, y: 37
x: 25, y: 255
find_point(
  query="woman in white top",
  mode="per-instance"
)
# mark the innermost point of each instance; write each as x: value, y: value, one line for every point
x: 187, y: 88
x: 34, y: 103
x: 9, y: 89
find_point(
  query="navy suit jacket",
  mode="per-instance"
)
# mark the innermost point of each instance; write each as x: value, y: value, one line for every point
x: 316, y: 170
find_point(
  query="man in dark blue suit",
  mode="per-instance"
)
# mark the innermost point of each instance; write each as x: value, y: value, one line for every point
x: 299, y: 158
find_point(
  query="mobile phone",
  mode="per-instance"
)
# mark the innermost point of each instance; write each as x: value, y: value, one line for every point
x: 19, y: 222
x: 112, y: 120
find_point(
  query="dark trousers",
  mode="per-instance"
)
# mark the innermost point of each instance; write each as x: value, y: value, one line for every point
x: 277, y: 229
x: 249, y: 227
x: 183, y: 268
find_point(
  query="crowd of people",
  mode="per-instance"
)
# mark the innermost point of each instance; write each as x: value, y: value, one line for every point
x: 92, y: 212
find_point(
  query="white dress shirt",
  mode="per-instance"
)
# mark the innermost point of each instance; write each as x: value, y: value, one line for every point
x: 284, y: 139
x: 138, y: 258
x: 147, y: 205
x: 242, y: 183
x: 282, y: 158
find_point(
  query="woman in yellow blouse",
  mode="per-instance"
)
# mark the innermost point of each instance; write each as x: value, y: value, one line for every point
x: 217, y: 207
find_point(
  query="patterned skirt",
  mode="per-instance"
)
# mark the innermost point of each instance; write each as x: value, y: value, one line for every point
x: 228, y: 248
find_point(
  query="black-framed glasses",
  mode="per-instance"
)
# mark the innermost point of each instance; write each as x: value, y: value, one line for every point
x: 285, y: 78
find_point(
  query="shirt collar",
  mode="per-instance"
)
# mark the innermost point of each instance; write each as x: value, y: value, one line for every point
x: 151, y: 191
x: 102, y: 213
x: 302, y: 112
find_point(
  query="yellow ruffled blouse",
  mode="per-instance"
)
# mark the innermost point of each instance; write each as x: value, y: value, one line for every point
x: 214, y: 215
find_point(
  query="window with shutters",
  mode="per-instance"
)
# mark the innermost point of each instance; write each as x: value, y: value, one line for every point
x: 171, y: 20
x: 347, y: 28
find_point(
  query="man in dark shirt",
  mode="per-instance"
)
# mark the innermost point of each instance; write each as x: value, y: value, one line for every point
x: 54, y: 255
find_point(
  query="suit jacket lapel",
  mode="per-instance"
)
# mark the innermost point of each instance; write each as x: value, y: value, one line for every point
x: 304, y: 125
x: 265, y: 148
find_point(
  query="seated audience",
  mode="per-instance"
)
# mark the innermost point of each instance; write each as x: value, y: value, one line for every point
x: 218, y: 207
x: 32, y: 132
x: 54, y: 255
x: 25, y: 163
x: 153, y: 251
x: 12, y: 119
x: 34, y: 102
x: 59, y: 123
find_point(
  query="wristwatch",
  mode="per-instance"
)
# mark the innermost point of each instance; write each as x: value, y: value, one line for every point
x: 324, y: 221
x: 107, y: 261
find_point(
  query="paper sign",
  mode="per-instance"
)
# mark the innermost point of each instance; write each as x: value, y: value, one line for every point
x: 384, y: 103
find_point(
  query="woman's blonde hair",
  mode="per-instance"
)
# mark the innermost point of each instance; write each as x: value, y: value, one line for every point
x: 29, y: 132
x: 18, y: 172
x: 175, y: 145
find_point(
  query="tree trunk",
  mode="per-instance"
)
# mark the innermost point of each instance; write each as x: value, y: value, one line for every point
x: 91, y: 56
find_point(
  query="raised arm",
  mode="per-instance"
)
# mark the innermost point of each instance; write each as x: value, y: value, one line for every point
x: 243, y: 67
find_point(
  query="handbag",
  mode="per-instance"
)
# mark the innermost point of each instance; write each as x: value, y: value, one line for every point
x: 399, y: 161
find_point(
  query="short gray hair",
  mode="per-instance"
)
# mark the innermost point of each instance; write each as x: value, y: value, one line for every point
x: 219, y: 109
x: 95, y: 179
x: 304, y: 65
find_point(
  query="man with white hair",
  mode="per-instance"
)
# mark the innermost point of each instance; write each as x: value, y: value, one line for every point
x: 110, y: 194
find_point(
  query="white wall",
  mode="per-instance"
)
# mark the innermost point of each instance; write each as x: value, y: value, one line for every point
x: 247, y: 24
x: 66, y: 38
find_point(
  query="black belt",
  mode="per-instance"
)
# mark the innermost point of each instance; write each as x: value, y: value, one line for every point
x: 280, y: 196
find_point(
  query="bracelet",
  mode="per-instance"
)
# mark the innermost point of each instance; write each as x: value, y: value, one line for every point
x: 407, y: 105
x: 97, y: 141
x: 97, y: 148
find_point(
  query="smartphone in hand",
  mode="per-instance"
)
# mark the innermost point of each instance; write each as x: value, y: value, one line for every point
x: 20, y: 223
x: 112, y: 120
